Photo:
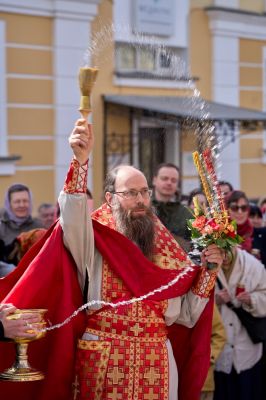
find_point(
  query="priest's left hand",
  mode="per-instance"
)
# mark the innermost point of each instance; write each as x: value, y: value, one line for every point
x: 213, y: 254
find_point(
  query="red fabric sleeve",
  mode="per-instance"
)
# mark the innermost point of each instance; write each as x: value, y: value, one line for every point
x: 50, y: 281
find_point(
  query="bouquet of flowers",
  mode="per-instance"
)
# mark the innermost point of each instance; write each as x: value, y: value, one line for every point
x: 207, y: 229
x: 211, y: 225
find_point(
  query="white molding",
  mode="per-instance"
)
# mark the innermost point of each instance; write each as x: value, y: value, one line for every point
x: 27, y: 105
x: 251, y: 136
x: 3, y: 94
x: 29, y: 76
x: 226, y: 23
x: 251, y: 161
x: 36, y: 168
x: 29, y: 7
x: 227, y: 3
x: 7, y: 168
x: 72, y: 39
x: 33, y: 137
x: 251, y: 88
x: 83, y: 10
x: 225, y: 71
x: 14, y: 45
x: 250, y: 65
x: 152, y: 83
x: 264, y: 78
x: 247, y: 88
x: 264, y: 101
x: 264, y: 148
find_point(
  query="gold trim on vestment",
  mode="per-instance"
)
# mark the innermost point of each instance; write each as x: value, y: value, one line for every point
x: 128, y: 338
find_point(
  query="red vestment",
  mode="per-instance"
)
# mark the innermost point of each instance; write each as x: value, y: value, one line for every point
x: 50, y: 282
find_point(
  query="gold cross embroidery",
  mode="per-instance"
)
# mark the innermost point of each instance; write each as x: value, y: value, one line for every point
x: 152, y: 357
x: 151, y: 395
x: 116, y: 356
x: 151, y: 375
x: 114, y: 395
x: 115, y: 375
x: 136, y: 329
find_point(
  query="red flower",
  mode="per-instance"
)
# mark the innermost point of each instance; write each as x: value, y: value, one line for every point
x: 199, y: 222
x: 214, y: 225
x: 231, y: 234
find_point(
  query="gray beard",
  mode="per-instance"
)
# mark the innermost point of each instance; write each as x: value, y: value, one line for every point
x: 140, y: 229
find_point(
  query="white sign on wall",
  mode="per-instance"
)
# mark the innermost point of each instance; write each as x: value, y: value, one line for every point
x: 154, y: 17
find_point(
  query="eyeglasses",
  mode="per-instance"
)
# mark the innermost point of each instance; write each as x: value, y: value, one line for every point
x: 236, y: 208
x: 133, y: 194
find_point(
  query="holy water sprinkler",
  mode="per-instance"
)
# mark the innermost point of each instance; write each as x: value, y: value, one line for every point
x: 87, y: 77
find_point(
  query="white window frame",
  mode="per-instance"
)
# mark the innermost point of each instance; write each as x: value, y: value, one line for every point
x: 3, y: 95
x: 7, y: 163
x: 264, y: 105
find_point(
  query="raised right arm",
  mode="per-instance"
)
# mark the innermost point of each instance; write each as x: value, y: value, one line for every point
x: 74, y: 215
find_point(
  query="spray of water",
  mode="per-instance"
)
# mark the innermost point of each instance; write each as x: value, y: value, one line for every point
x: 201, y: 125
x: 98, y: 303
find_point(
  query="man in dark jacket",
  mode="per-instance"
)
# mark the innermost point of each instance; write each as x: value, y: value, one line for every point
x: 169, y: 210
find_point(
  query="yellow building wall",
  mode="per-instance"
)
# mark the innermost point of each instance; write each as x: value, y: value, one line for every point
x: 252, y: 179
x: 251, y: 148
x: 119, y: 119
x: 29, y: 91
x: 118, y: 122
x: 252, y: 5
x: 200, y: 50
x: 26, y: 31
x: 30, y: 122
x: 250, y: 76
x: 41, y: 61
x: 251, y: 50
x: 33, y: 152
x: 200, y: 3
x: 189, y: 141
x: 251, y: 99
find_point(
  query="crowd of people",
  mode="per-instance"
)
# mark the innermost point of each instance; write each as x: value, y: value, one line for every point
x: 147, y: 231
x: 19, y: 230
x: 240, y: 366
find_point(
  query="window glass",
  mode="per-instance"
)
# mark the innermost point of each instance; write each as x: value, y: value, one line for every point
x: 127, y: 58
x: 146, y: 59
